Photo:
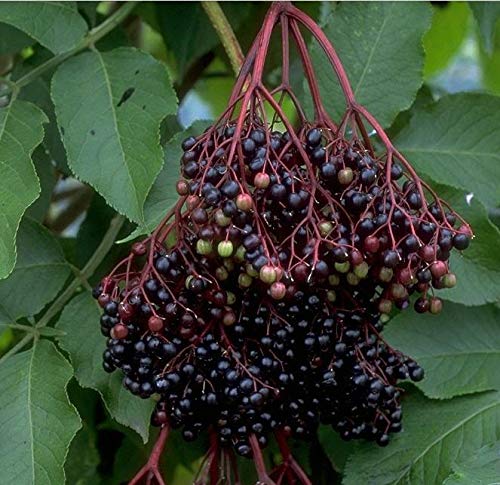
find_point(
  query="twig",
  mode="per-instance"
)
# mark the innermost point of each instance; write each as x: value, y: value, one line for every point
x: 90, y: 39
x: 225, y: 33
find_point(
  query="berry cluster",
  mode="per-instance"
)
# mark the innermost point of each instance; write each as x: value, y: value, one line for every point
x: 256, y: 307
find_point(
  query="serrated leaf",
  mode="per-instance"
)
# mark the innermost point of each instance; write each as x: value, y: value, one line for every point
x: 56, y: 25
x: 436, y: 435
x: 39, y: 274
x: 477, y: 268
x: 380, y: 46
x: 109, y: 107
x: 187, y: 29
x: 47, y: 178
x: 487, y: 15
x: 85, y: 345
x: 37, y: 421
x: 163, y: 194
x: 459, y: 349
x: 482, y: 468
x: 21, y: 131
x: 450, y: 24
x: 83, y: 458
x: 456, y: 142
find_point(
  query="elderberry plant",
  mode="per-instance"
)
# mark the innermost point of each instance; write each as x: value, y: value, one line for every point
x: 303, y: 291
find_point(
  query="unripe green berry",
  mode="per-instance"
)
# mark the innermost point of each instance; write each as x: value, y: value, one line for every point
x: 361, y: 270
x: 188, y: 281
x: 331, y: 296
x: 325, y: 228
x: 231, y: 297
x: 228, y: 264
x: 384, y: 318
x: 244, y: 280
x: 385, y: 306
x: 267, y: 274
x: 398, y: 291
x: 251, y: 271
x: 221, y: 273
x: 203, y: 247
x: 385, y: 274
x: 221, y: 219
x: 342, y: 267
x: 449, y: 280
x: 225, y: 249
x: 346, y: 176
x: 436, y: 305
x: 240, y: 254
x: 333, y: 280
x: 352, y: 279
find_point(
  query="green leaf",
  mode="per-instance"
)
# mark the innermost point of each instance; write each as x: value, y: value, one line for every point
x: 21, y: 132
x: 163, y: 194
x: 456, y: 141
x: 436, y: 434
x: 487, y: 15
x: 449, y: 27
x: 335, y: 448
x: 380, y: 46
x: 85, y: 345
x: 56, y: 25
x: 459, y: 349
x: 39, y: 274
x: 47, y: 178
x: 37, y: 421
x: 83, y: 458
x: 188, y: 32
x: 477, y: 268
x: 109, y: 107
x: 482, y: 468
x: 12, y: 40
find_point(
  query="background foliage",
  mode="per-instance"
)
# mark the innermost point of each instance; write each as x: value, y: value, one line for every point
x: 95, y: 98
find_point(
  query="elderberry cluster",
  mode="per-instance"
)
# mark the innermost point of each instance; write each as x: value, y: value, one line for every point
x: 264, y: 314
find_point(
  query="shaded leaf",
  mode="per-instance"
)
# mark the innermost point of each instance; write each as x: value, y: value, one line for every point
x: 83, y: 458
x: 109, y: 107
x: 482, y: 468
x: 459, y: 349
x: 85, y: 345
x: 486, y: 15
x: 56, y: 25
x: 436, y: 435
x: 12, y: 40
x: 188, y: 32
x: 163, y: 194
x: 449, y: 27
x: 337, y: 449
x: 456, y: 141
x: 38, y: 276
x: 37, y: 421
x: 47, y: 178
x: 21, y: 132
x: 380, y: 46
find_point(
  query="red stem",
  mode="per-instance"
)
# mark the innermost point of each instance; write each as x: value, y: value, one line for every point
x: 152, y: 468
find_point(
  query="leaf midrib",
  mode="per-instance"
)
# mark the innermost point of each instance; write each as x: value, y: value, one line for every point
x: 118, y: 135
x: 443, y: 436
x: 449, y: 152
x: 372, y: 51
